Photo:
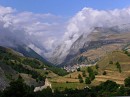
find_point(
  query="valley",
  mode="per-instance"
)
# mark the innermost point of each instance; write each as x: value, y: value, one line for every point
x: 107, y: 64
x: 112, y: 65
x: 64, y: 48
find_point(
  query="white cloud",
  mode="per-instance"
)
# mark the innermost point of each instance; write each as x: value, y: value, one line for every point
x: 6, y: 10
x: 88, y: 18
x: 39, y: 51
x: 39, y: 31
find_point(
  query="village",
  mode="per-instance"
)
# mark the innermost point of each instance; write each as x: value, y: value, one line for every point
x: 76, y: 67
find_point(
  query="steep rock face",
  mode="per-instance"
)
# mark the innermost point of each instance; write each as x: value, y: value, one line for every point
x: 3, y: 81
x: 58, y: 55
x: 98, y: 37
x: 5, y: 73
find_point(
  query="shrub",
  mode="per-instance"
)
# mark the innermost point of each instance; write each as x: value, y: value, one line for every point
x: 67, y: 82
x: 127, y: 82
x: 95, y: 72
x: 97, y: 66
x: 104, y: 73
x: 87, y: 80
x: 80, y: 78
x: 118, y: 66
x: 91, y: 74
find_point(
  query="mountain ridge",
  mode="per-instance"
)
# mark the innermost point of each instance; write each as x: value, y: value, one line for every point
x: 99, y: 35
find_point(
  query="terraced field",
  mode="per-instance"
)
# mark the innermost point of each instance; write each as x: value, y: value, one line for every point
x: 63, y: 86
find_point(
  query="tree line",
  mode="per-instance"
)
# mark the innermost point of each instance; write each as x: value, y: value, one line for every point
x: 109, y: 88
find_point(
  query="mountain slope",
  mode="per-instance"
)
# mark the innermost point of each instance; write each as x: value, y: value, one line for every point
x: 33, y: 71
x: 115, y: 37
x: 28, y: 52
x: 13, y: 64
x: 109, y: 63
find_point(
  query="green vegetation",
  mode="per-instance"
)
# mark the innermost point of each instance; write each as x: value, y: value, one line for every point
x: 26, y: 65
x: 127, y: 82
x: 87, y: 80
x: 97, y: 66
x: 96, y: 72
x: 109, y: 88
x: 34, y: 63
x: 71, y: 85
x: 31, y: 54
x: 127, y: 53
x: 67, y: 85
x: 21, y: 69
x: 91, y: 73
x: 80, y: 78
x: 118, y: 66
x: 18, y: 89
x: 59, y: 71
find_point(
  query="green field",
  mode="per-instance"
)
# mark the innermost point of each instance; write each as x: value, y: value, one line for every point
x: 63, y: 86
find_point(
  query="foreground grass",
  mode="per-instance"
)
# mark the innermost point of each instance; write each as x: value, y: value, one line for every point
x: 63, y: 86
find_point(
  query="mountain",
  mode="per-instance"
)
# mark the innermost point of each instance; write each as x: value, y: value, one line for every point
x: 32, y: 70
x: 22, y: 46
x: 13, y: 64
x: 28, y: 52
x: 93, y: 45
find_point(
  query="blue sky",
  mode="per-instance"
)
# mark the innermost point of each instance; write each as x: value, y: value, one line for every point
x: 63, y: 7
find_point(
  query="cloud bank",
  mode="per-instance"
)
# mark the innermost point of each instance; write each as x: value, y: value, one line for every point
x: 38, y: 31
x: 88, y: 18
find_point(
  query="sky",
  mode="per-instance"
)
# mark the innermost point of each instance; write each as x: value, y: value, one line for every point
x: 63, y: 7
x: 43, y: 25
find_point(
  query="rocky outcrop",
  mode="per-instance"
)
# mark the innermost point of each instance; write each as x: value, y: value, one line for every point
x: 3, y: 81
x: 40, y: 88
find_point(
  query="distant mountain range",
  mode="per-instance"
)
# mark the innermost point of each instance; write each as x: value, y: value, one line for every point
x: 93, y: 46
x: 89, y: 46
